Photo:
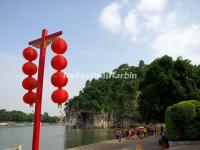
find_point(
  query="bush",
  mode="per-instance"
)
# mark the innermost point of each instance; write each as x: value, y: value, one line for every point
x: 182, y: 120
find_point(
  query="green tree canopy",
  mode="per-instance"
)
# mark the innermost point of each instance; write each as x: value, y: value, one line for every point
x: 167, y: 82
x: 114, y: 95
x: 161, y: 84
x: 19, y: 116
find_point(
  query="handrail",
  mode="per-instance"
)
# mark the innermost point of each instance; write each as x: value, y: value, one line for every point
x: 18, y: 147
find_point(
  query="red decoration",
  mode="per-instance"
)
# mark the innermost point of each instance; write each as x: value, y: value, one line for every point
x: 29, y: 68
x: 59, y: 79
x: 59, y: 62
x: 30, y: 54
x: 59, y: 96
x: 59, y: 46
x: 29, y: 83
x: 30, y: 97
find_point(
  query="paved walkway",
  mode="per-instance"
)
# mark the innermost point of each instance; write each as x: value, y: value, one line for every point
x: 149, y: 143
x: 186, y: 147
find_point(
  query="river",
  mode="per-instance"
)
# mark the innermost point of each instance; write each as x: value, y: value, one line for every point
x: 52, y: 137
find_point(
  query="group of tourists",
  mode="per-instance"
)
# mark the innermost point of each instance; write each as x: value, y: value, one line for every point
x: 140, y: 132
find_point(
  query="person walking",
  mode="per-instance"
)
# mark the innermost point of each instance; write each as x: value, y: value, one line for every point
x: 145, y: 132
x: 119, y: 134
x: 127, y: 133
x: 161, y: 128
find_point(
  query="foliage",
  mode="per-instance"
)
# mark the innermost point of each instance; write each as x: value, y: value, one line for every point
x: 48, y: 119
x: 183, y: 117
x: 115, y: 96
x: 19, y: 116
x: 161, y: 84
x: 167, y: 82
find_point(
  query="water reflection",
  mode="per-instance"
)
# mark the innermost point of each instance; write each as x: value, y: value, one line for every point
x: 78, y: 137
x: 52, y: 137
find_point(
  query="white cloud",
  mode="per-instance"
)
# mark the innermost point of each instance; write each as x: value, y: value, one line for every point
x: 137, y: 20
x: 131, y: 25
x: 151, y: 5
x: 160, y: 22
x: 179, y: 42
x: 171, y: 21
x: 110, y: 17
x: 153, y: 20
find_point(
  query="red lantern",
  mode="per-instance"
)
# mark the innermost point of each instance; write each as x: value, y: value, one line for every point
x: 30, y: 54
x: 59, y: 79
x: 59, y: 46
x: 59, y: 96
x: 29, y: 68
x: 59, y: 62
x: 30, y: 97
x: 29, y: 83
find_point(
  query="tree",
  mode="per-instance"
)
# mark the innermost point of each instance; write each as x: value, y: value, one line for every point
x: 167, y: 82
x: 182, y: 120
x: 115, y: 95
x: 161, y: 84
x: 48, y: 119
x: 19, y: 116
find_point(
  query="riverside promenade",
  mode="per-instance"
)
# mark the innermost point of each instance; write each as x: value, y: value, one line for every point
x: 148, y: 143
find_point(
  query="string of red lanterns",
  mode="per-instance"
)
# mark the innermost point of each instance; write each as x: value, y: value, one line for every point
x: 59, y: 79
x: 29, y: 68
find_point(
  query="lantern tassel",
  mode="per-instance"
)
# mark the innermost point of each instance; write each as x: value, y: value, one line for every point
x: 60, y: 109
x: 32, y: 108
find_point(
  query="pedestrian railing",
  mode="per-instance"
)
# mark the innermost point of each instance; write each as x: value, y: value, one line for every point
x: 18, y: 147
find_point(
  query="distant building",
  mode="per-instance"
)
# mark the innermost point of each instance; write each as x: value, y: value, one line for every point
x: 141, y: 64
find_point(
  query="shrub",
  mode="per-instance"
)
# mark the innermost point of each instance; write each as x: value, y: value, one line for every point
x: 182, y: 120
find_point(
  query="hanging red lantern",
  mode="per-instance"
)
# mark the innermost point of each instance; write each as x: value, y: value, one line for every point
x: 29, y: 68
x: 30, y: 54
x: 59, y: 96
x: 59, y: 79
x: 29, y: 83
x: 29, y: 98
x: 59, y: 46
x: 59, y: 62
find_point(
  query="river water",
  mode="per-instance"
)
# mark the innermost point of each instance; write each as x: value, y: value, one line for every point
x: 52, y: 137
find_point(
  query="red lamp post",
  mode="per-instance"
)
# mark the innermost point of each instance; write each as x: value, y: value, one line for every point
x: 59, y: 46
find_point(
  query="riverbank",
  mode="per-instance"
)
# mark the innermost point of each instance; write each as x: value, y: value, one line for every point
x: 149, y: 143
x: 18, y: 124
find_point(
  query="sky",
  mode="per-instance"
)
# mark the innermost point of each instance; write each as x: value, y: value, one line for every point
x: 101, y: 35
